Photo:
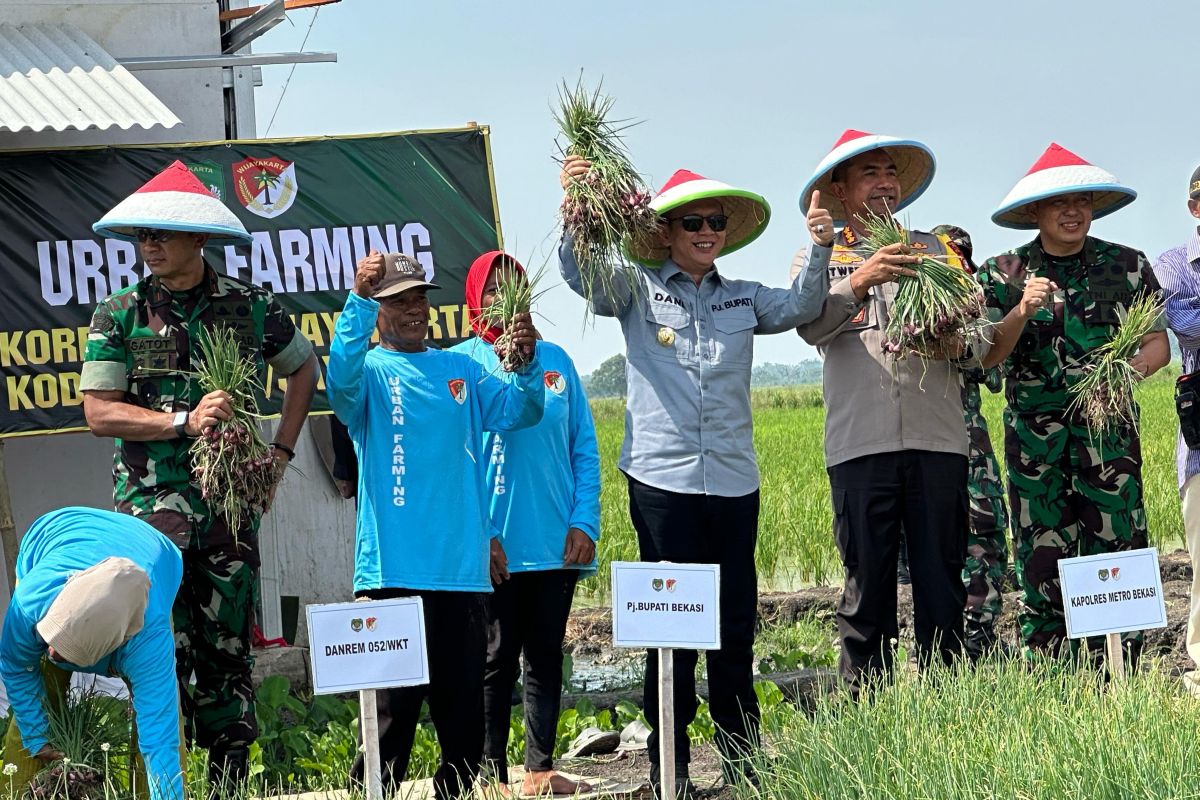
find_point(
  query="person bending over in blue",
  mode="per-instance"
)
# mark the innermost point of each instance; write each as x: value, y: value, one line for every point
x: 94, y: 594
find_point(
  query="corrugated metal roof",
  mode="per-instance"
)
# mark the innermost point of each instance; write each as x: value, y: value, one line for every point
x: 56, y: 76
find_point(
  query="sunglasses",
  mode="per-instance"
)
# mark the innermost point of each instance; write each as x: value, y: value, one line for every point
x: 144, y: 235
x: 692, y: 223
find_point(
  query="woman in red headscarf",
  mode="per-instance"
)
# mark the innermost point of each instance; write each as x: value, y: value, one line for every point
x: 544, y: 487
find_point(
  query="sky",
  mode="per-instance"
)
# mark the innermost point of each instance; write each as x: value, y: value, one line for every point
x: 755, y: 94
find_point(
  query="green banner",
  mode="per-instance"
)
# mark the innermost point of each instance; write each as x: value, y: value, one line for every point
x: 315, y: 207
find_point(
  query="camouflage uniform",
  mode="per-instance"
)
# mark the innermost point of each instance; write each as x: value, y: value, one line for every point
x: 1070, y: 495
x: 987, y: 539
x: 143, y: 341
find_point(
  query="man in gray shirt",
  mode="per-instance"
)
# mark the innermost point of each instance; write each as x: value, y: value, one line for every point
x: 688, y: 452
x: 895, y: 436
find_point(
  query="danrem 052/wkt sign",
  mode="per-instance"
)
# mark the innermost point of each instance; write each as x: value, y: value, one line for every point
x: 314, y: 206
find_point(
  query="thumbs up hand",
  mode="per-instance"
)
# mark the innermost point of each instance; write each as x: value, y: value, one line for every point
x: 820, y: 222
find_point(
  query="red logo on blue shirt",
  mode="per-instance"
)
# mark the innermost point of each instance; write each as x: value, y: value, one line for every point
x: 554, y: 381
x: 458, y: 390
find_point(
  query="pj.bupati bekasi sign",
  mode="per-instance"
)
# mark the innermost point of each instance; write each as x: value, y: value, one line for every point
x: 315, y: 206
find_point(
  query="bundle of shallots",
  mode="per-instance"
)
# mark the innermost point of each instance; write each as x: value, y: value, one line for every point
x: 1104, y: 395
x: 935, y: 310
x: 514, y: 295
x: 608, y: 206
x: 232, y: 464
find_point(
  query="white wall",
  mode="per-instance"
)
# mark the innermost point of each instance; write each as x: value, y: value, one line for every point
x: 128, y: 29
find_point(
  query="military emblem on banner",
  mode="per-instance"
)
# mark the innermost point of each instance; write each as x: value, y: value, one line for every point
x: 671, y: 583
x: 1102, y: 574
x: 209, y: 173
x: 554, y: 381
x: 458, y: 390
x: 372, y: 622
x: 1116, y: 573
x: 356, y: 624
x: 656, y: 584
x: 265, y: 186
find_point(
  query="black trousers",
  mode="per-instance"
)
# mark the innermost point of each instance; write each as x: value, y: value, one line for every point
x: 527, y: 614
x: 456, y: 642
x: 706, y: 529
x: 875, y: 497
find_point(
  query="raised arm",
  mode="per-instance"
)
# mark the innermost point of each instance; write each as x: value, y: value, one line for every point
x: 509, y: 405
x: 611, y: 300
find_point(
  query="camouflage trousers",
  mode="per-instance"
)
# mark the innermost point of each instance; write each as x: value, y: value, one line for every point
x: 213, y: 618
x: 986, y: 563
x: 1070, y: 496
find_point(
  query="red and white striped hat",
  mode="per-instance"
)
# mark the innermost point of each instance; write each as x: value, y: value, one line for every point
x: 173, y: 200
x: 915, y: 166
x: 748, y: 213
x: 1059, y: 171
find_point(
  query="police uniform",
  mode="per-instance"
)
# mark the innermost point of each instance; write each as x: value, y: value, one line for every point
x: 144, y: 341
x: 896, y: 453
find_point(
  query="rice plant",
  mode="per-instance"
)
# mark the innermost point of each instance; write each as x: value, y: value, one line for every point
x: 232, y: 464
x: 610, y: 205
x: 1104, y: 396
x: 934, y: 310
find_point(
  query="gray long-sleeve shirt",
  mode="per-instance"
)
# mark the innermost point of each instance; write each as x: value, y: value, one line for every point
x: 689, y: 350
x: 874, y: 404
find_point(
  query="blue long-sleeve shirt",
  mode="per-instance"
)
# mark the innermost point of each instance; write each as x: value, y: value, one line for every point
x: 1178, y: 272
x: 71, y: 540
x: 689, y: 351
x: 543, y: 480
x: 417, y: 421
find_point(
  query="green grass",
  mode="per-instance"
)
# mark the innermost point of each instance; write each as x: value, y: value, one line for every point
x: 795, y: 544
x: 1004, y: 730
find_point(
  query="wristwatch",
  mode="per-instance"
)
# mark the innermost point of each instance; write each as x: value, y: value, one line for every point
x: 179, y: 421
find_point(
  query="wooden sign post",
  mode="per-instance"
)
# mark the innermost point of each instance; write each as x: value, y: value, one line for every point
x: 666, y: 606
x: 1107, y: 594
x: 364, y: 646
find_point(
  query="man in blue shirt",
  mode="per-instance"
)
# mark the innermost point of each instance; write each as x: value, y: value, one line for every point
x: 417, y: 417
x: 94, y: 594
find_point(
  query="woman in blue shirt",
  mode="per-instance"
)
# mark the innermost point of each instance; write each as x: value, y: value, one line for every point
x: 543, y: 486
x: 94, y: 594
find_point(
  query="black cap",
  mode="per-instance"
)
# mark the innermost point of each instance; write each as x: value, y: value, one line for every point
x: 1194, y: 185
x: 401, y: 273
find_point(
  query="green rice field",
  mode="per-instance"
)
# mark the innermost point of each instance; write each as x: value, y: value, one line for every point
x: 795, y: 545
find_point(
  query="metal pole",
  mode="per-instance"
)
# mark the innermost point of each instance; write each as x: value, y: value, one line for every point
x: 1116, y: 658
x: 666, y: 723
x: 8, y: 529
x: 367, y: 713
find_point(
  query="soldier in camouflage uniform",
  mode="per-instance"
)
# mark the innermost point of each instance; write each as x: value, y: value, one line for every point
x: 138, y: 388
x: 1055, y: 300
x: 987, y: 538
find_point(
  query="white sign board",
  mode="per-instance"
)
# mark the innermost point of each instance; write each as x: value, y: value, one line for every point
x: 372, y: 645
x: 1112, y: 593
x: 660, y: 604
